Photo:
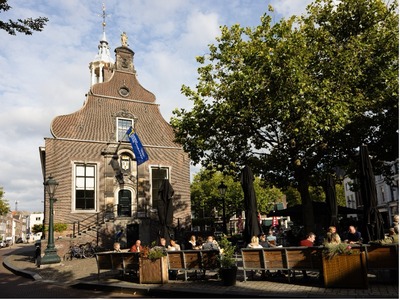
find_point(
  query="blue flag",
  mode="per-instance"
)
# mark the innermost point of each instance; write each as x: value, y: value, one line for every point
x: 137, y: 147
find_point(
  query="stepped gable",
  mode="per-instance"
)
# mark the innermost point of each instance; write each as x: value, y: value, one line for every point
x: 121, y: 96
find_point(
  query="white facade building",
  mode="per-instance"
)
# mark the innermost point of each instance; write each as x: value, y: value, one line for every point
x: 387, y: 194
x: 32, y: 220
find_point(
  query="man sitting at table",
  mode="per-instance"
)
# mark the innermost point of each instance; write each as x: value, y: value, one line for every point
x: 210, y: 244
x: 137, y: 247
x: 353, y: 236
x: 393, y: 238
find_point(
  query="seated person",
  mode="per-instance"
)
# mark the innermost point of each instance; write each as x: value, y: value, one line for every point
x: 334, y: 238
x: 163, y: 242
x: 309, y: 240
x: 393, y: 238
x: 137, y: 247
x: 331, y: 230
x: 117, y: 247
x: 254, y: 243
x: 271, y: 238
x: 210, y: 244
x: 263, y: 241
x: 173, y: 246
x: 193, y: 244
x: 353, y: 236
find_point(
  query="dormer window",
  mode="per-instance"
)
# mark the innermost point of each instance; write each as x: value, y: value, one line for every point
x: 123, y: 126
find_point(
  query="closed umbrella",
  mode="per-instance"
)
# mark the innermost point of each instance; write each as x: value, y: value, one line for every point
x: 331, y: 201
x: 165, y: 209
x: 252, y: 227
x: 373, y: 222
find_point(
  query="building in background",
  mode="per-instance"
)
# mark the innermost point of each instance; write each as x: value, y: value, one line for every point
x: 32, y: 220
x: 387, y: 193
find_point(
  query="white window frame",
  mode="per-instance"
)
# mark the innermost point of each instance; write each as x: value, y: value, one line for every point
x: 74, y: 187
x: 122, y: 130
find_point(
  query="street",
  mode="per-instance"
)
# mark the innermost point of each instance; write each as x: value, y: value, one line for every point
x: 14, y: 286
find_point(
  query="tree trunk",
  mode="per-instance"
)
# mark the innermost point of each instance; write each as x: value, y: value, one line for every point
x: 308, y: 211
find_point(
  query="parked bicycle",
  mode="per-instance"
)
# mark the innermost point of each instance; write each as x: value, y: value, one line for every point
x: 87, y: 250
x: 76, y: 251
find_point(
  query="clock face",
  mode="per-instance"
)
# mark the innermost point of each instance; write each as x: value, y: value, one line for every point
x: 124, y: 91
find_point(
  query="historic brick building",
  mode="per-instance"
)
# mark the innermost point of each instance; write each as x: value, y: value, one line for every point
x: 91, y: 199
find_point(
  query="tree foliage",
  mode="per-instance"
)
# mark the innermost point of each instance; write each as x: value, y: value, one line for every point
x: 297, y: 98
x: 60, y: 227
x: 26, y: 26
x: 205, y: 195
x: 37, y: 228
x: 4, y: 206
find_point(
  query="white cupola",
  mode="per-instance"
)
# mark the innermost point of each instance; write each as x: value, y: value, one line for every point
x: 102, y: 66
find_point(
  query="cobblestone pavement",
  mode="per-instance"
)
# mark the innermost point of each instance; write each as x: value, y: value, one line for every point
x: 82, y: 273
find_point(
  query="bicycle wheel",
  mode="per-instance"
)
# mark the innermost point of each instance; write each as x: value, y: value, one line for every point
x: 89, y: 253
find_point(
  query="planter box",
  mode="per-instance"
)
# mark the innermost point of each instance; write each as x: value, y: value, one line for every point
x: 346, y: 271
x: 153, y: 271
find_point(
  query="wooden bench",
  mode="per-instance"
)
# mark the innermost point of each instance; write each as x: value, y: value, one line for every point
x: 292, y: 259
x: 193, y: 260
x: 125, y: 262
x: 303, y: 259
x: 253, y: 260
x: 381, y: 259
x: 288, y: 259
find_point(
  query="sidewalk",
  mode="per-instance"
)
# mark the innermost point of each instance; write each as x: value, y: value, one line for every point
x: 82, y: 273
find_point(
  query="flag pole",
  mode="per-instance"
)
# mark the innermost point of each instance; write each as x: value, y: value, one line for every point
x: 119, y: 143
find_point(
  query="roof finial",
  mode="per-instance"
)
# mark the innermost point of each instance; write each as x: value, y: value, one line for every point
x: 104, y: 17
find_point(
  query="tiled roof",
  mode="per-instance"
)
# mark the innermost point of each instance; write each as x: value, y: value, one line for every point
x: 96, y: 120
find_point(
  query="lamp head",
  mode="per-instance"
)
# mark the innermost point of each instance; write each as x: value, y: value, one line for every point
x: 51, y: 186
x: 222, y: 188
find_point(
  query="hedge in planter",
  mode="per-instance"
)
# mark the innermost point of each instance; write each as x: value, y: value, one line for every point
x: 344, y: 267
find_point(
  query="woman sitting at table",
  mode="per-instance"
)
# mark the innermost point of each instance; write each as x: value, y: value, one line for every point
x: 254, y: 243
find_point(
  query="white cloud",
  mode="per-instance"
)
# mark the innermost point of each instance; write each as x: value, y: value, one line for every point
x: 290, y: 7
x: 46, y: 74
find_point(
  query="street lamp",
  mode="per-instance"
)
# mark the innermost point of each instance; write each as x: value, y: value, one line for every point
x: 222, y: 190
x: 50, y: 254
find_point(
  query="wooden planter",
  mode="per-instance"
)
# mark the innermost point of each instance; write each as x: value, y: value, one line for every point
x: 346, y: 271
x: 153, y: 271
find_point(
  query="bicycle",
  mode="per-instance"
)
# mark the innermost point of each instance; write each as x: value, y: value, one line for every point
x: 76, y: 251
x: 89, y: 250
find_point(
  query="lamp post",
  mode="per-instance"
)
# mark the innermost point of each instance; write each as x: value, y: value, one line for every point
x: 50, y: 254
x: 222, y: 190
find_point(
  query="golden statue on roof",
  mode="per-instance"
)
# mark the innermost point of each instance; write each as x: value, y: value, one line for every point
x: 124, y: 39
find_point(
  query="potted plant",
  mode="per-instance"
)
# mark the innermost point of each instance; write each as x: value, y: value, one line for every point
x: 228, y: 267
x: 153, y: 266
x: 344, y: 266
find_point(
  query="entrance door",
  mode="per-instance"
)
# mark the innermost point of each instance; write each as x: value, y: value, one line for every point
x: 124, y: 203
x: 132, y: 234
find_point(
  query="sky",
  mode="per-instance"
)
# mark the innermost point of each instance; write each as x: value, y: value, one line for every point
x: 46, y: 74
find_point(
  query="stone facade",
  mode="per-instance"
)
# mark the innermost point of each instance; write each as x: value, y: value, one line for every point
x: 91, y: 199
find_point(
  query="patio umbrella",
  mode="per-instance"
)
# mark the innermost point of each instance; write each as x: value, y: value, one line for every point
x: 330, y: 194
x: 373, y: 221
x: 252, y: 227
x: 165, y: 209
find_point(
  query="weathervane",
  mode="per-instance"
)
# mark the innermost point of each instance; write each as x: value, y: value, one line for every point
x: 104, y: 15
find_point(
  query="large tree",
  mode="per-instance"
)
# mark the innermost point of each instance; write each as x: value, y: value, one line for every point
x: 26, y: 26
x: 296, y: 98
